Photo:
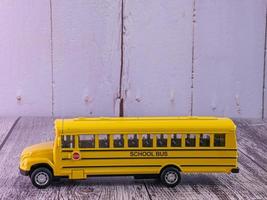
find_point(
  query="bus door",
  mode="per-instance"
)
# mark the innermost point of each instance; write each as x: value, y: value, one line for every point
x: 71, y: 156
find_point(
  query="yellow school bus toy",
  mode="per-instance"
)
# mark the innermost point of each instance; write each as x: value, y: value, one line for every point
x: 143, y: 147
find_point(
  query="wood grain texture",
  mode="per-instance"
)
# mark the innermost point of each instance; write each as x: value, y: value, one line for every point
x: 114, y: 188
x: 86, y: 51
x: 229, y: 55
x: 157, y: 57
x: 250, y: 183
x: 252, y: 140
x: 25, y: 82
x: 28, y: 131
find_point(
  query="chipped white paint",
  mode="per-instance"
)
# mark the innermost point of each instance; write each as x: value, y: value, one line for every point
x: 25, y: 83
x: 86, y: 37
x: 229, y: 44
x: 157, y: 57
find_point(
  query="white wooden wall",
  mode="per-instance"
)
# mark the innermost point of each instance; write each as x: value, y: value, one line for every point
x: 131, y: 57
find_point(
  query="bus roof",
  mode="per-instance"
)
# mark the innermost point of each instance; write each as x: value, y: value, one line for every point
x: 143, y: 125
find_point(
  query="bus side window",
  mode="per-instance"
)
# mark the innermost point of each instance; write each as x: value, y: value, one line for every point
x: 219, y: 140
x: 86, y: 141
x: 103, y: 141
x: 161, y: 140
x: 67, y: 141
x: 118, y: 141
x: 147, y: 140
x: 204, y: 140
x: 176, y: 140
x: 190, y: 140
x: 132, y: 140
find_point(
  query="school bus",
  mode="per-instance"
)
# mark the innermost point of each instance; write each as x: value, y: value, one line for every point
x: 142, y: 147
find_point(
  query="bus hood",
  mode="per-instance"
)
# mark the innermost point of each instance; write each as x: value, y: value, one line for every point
x: 38, y: 149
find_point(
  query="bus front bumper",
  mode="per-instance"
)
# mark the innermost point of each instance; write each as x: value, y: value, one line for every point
x: 23, y: 172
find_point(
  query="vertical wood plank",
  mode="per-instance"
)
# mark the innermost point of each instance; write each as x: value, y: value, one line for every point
x: 86, y: 57
x: 157, y: 57
x: 25, y: 82
x: 264, y: 95
x: 229, y: 42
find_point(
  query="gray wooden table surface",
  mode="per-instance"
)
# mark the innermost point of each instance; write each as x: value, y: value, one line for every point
x: 250, y: 183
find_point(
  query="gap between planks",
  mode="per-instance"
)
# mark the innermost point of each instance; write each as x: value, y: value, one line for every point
x: 121, y: 106
x: 9, y: 133
x: 254, y: 161
x: 52, y: 57
x: 264, y: 66
x: 148, y: 193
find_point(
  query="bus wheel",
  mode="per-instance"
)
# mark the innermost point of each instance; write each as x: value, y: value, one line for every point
x: 41, y: 177
x: 170, y: 176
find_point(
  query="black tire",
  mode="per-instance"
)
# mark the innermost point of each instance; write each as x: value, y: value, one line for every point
x: 170, y: 176
x: 41, y: 177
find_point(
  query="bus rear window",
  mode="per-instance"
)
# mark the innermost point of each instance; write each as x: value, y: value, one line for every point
x: 67, y: 141
x: 219, y: 140
x: 86, y: 141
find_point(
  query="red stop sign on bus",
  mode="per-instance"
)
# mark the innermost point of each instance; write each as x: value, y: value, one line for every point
x: 76, y: 156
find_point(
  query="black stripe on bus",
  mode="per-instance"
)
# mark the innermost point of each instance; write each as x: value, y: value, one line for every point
x: 116, y: 158
x: 112, y: 166
x: 207, y: 165
x: 102, y: 166
x: 93, y: 150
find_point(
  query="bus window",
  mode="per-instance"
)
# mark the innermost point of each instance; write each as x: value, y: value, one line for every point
x: 67, y: 141
x: 103, y: 141
x: 161, y: 140
x: 147, y: 140
x: 176, y: 140
x: 204, y: 140
x: 190, y: 140
x: 219, y: 140
x: 132, y: 140
x: 118, y: 141
x: 86, y: 141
